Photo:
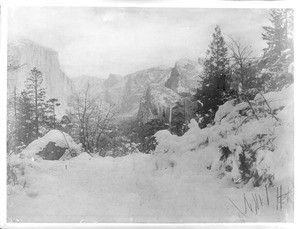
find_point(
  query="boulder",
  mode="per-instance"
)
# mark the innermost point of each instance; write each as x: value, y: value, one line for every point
x: 52, y: 146
x: 52, y: 151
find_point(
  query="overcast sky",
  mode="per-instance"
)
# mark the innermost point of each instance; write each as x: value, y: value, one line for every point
x: 99, y: 41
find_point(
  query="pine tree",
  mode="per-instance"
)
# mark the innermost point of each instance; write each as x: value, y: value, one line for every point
x: 214, y: 89
x: 51, y: 118
x: 42, y: 110
x: 25, y: 119
x: 279, y: 53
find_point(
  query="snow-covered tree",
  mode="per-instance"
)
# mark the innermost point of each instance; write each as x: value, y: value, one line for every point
x: 29, y: 114
x: 25, y: 127
x: 278, y: 55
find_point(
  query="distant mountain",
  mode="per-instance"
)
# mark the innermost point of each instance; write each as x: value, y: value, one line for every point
x: 183, y: 80
x: 134, y: 86
x: 94, y: 85
x: 156, y: 102
x: 139, y: 94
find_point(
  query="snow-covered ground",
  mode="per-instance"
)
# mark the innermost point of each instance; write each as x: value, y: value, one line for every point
x: 184, y: 180
x: 131, y: 189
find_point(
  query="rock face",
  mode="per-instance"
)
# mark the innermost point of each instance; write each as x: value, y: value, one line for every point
x: 184, y: 77
x: 156, y: 103
x: 52, y: 152
x: 138, y: 83
x: 24, y: 55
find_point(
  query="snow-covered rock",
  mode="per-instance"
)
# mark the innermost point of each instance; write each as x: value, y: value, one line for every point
x: 52, y: 146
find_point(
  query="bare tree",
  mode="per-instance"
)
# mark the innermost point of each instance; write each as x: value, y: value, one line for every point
x: 241, y: 54
x: 91, y: 118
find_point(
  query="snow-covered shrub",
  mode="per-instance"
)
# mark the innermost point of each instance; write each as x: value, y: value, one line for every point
x: 255, y: 129
x: 170, y: 147
x: 15, y: 173
x: 249, y: 142
x: 15, y: 169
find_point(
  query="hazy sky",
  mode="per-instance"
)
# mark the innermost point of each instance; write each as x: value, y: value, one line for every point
x: 99, y: 41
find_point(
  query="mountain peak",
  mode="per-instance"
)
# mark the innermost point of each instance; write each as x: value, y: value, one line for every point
x: 184, y: 76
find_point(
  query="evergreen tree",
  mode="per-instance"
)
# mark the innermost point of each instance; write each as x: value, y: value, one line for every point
x: 51, y: 118
x: 279, y: 54
x: 37, y: 94
x: 25, y: 119
x: 214, y: 89
x: 29, y: 114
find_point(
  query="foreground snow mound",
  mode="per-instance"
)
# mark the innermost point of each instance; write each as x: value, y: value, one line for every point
x: 52, y: 146
x: 250, y: 142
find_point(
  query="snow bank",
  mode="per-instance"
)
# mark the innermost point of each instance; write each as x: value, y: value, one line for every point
x: 245, y: 143
x: 276, y: 100
x: 130, y: 189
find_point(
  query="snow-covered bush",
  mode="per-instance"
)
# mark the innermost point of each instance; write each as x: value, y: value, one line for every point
x: 250, y: 141
x: 15, y: 173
